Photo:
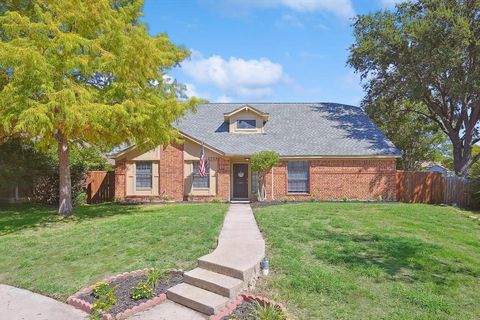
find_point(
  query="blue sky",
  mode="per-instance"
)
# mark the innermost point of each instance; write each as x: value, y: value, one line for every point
x: 264, y: 50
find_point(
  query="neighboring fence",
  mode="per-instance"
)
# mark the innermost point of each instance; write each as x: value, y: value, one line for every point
x: 100, y: 186
x: 432, y: 187
x: 457, y: 191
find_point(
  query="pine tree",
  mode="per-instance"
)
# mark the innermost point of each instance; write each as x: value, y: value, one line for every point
x: 88, y: 71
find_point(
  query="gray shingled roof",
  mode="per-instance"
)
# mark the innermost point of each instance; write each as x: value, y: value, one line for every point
x: 293, y: 129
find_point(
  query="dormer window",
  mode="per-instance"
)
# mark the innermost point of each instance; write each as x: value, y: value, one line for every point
x: 246, y: 124
x: 246, y: 119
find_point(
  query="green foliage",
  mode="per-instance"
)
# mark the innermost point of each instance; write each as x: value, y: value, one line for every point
x: 417, y: 137
x: 101, y: 289
x: 154, y: 276
x: 216, y: 200
x: 106, y: 299
x: 142, y: 290
x: 36, y: 171
x: 145, y: 289
x: 261, y: 163
x: 425, y: 52
x: 89, y: 72
x: 268, y: 312
x: 88, y: 69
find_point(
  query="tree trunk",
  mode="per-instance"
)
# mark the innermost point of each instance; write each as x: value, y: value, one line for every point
x: 65, y: 200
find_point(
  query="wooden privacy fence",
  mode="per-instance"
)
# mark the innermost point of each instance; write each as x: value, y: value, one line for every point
x: 432, y: 187
x: 100, y: 186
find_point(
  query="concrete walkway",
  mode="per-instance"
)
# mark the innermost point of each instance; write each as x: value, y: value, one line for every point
x: 221, y: 275
x: 20, y: 304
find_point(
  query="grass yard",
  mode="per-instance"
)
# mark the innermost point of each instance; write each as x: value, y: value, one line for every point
x: 58, y: 257
x: 372, y: 261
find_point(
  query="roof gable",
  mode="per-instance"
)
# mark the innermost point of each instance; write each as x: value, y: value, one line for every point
x: 246, y: 108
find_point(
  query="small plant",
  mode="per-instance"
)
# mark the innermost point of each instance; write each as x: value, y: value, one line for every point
x: 151, y: 199
x: 284, y: 200
x: 216, y: 200
x: 80, y: 199
x: 312, y: 199
x: 165, y: 198
x: 268, y: 312
x: 105, y: 294
x: 142, y: 290
x: 262, y: 163
x: 100, y: 289
x: 154, y: 276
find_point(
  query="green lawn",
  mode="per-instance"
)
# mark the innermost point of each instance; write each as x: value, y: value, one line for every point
x: 372, y: 261
x: 58, y: 257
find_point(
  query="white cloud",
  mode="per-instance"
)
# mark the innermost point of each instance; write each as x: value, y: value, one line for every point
x: 341, y: 8
x: 191, y: 91
x: 236, y: 76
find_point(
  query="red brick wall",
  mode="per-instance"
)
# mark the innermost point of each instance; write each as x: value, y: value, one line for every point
x: 171, y: 173
x: 338, y: 179
x: 223, y: 179
x: 120, y: 176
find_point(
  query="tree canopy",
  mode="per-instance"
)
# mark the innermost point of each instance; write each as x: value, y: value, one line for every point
x: 425, y: 52
x: 88, y: 71
x: 262, y: 162
x: 418, y: 139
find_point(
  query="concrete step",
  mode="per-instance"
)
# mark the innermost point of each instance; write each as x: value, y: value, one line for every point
x: 197, y: 299
x: 215, y: 282
x: 220, y: 268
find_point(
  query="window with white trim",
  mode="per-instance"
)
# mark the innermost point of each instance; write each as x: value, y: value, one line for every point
x: 298, y: 177
x: 200, y: 182
x: 143, y: 175
x: 246, y: 124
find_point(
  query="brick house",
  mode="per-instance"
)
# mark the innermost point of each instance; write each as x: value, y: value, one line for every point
x: 328, y: 152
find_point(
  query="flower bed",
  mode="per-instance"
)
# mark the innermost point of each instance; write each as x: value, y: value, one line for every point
x: 243, y: 308
x: 124, y: 283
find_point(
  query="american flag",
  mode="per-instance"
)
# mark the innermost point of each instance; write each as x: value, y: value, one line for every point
x: 202, y: 166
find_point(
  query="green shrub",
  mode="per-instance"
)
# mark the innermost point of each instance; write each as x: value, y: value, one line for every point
x: 142, y: 290
x: 153, y: 276
x: 106, y: 299
x: 80, y: 199
x: 100, y: 289
x: 216, y: 200
x: 268, y: 312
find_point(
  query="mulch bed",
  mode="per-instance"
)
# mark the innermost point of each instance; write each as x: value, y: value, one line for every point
x: 124, y: 287
x: 244, y: 311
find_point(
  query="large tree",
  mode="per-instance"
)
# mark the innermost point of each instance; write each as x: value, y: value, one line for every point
x: 85, y: 71
x: 427, y: 52
x: 418, y: 138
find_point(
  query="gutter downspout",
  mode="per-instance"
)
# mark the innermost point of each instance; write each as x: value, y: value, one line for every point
x: 273, y: 198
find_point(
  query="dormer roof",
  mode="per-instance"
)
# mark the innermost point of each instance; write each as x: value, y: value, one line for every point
x: 246, y: 108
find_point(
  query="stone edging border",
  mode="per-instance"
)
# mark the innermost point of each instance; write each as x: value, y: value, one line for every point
x: 78, y: 303
x: 248, y: 298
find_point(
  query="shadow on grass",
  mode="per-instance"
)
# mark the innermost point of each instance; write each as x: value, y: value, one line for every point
x: 404, y: 259
x: 14, y: 218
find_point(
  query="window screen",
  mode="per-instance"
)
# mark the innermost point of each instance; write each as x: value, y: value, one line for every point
x: 298, y: 177
x: 198, y: 181
x: 143, y: 175
x: 246, y: 124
